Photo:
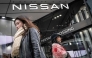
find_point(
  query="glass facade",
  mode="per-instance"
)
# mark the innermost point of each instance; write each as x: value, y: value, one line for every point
x: 80, y: 46
x: 7, y: 30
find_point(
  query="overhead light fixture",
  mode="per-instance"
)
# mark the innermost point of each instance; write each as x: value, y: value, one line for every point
x: 3, y: 17
x: 77, y: 43
x: 70, y: 43
x: 80, y: 32
x: 9, y: 48
x: 90, y: 29
x: 13, y: 19
x: 60, y: 15
x: 57, y: 25
x: 54, y: 17
x: 57, y: 16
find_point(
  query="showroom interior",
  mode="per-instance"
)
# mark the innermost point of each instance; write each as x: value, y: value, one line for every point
x: 74, y: 24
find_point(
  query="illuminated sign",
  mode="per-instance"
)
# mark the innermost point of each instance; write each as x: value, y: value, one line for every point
x: 66, y: 30
x: 61, y: 33
x: 42, y: 6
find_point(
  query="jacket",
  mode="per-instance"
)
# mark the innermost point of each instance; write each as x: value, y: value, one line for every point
x: 30, y: 45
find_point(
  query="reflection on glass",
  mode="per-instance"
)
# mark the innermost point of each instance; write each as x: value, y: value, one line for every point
x: 81, y: 15
x: 90, y: 31
x: 86, y: 12
x: 77, y: 18
x: 5, y: 45
x: 85, y: 42
x: 81, y: 50
x: 5, y: 38
x: 88, y: 40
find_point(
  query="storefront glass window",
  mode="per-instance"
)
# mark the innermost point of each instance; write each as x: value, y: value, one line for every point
x: 5, y: 38
x: 88, y: 41
x: 81, y: 15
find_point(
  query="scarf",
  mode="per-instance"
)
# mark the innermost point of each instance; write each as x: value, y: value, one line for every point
x: 16, y: 42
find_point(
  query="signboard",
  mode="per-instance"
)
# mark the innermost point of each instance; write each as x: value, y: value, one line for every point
x: 42, y: 6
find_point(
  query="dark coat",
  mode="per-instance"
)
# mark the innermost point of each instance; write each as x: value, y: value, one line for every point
x: 30, y: 45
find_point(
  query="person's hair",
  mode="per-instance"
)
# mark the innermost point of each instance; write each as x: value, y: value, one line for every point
x: 28, y: 23
x: 55, y: 40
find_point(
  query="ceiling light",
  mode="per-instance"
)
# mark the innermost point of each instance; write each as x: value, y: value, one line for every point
x: 9, y: 48
x: 90, y: 29
x: 53, y: 27
x: 77, y: 43
x: 70, y: 43
x: 80, y: 32
x: 13, y: 19
x: 57, y: 16
x: 54, y: 17
x: 57, y: 25
x: 60, y: 15
x: 3, y: 17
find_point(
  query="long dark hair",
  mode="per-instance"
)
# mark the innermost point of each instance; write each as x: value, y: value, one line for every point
x: 55, y: 39
x: 28, y: 23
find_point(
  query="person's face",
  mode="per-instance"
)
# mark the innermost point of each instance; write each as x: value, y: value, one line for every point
x: 59, y: 39
x: 18, y: 24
